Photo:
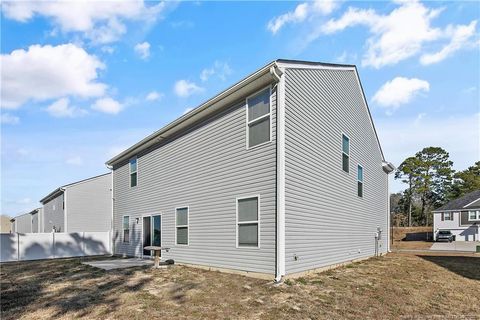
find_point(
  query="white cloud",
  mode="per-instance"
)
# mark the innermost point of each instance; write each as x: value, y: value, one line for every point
x: 459, y: 135
x: 23, y: 201
x: 187, y: 110
x: 62, y: 109
x: 460, y: 38
x: 99, y: 21
x: 75, y: 161
x: 154, y: 96
x: 49, y: 72
x: 143, y: 50
x: 399, y: 91
x: 393, y: 40
x: 221, y: 69
x: 185, y: 88
x: 7, y: 118
x: 107, y: 49
x: 108, y: 105
x: 301, y: 13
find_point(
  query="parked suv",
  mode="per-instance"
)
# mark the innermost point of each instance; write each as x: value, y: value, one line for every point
x: 444, y: 235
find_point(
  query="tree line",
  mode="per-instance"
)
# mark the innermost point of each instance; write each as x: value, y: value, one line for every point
x: 431, y: 182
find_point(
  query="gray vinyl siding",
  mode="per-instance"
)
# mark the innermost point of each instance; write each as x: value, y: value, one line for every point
x: 326, y: 222
x: 24, y: 223
x: 35, y: 221
x: 89, y: 205
x: 53, y: 214
x: 464, y: 220
x: 206, y: 169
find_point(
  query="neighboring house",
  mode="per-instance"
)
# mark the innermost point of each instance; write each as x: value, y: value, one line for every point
x: 461, y: 216
x: 22, y: 223
x: 279, y: 174
x: 5, y: 224
x: 80, y: 206
x: 28, y: 222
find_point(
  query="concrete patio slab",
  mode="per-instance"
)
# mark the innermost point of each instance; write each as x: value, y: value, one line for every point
x: 119, y: 263
x: 465, y: 246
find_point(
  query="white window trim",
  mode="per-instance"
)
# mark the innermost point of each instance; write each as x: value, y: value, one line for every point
x: 161, y: 229
x: 450, y: 216
x: 183, y: 226
x: 237, y: 223
x: 363, y: 180
x: 477, y: 215
x: 123, y: 229
x: 269, y: 114
x: 130, y: 171
x: 343, y: 153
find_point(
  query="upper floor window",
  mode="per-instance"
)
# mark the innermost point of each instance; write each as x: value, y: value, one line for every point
x: 258, y: 118
x: 133, y: 172
x: 447, y: 216
x: 474, y: 215
x: 360, y: 181
x: 345, y: 153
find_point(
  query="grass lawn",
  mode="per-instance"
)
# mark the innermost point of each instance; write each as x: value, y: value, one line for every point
x: 399, y: 285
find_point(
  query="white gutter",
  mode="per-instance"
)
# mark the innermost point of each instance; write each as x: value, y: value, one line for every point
x: 230, y: 95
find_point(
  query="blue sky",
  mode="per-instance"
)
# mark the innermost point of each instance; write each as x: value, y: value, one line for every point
x: 81, y: 82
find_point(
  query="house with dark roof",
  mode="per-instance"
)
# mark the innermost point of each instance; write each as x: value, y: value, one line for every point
x: 460, y: 216
x: 279, y: 174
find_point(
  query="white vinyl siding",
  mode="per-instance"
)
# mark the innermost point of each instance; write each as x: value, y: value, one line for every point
x: 181, y: 225
x: 259, y: 118
x: 248, y: 222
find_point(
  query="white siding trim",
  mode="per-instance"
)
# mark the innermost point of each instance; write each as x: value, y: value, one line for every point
x: 465, y: 206
x: 187, y: 225
x: 280, y: 267
x: 246, y: 222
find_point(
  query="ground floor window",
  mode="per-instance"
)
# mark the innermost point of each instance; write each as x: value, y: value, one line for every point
x: 181, y: 225
x: 248, y: 210
x: 126, y: 229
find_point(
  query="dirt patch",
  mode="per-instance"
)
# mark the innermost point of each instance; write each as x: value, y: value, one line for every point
x: 413, y: 238
x: 390, y: 287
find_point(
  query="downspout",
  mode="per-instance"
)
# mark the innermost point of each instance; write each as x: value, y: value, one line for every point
x: 280, y: 177
x: 64, y: 208
x: 112, y: 243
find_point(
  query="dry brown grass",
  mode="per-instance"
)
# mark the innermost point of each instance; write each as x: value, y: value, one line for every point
x: 397, y: 285
x: 401, y: 236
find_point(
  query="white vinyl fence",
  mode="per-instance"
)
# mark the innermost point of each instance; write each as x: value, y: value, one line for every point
x: 34, y: 246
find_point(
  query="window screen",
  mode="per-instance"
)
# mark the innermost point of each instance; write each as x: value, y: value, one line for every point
x: 247, y: 226
x: 181, y: 223
x: 258, y: 109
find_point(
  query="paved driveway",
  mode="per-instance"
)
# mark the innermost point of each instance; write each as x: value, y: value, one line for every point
x: 469, y: 246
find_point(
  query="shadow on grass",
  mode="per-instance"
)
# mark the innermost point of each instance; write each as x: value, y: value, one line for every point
x: 67, y: 286
x: 468, y: 267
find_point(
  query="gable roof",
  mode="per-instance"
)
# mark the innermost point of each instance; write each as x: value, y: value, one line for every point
x: 267, y: 74
x: 461, y: 202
